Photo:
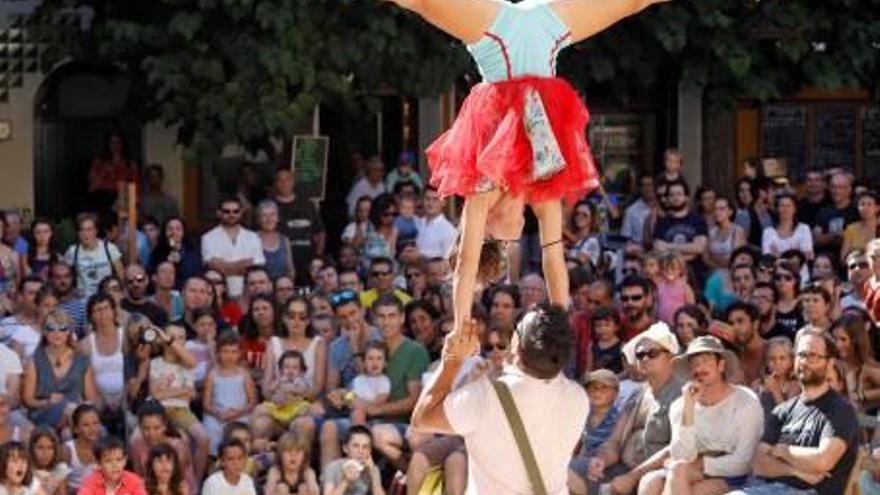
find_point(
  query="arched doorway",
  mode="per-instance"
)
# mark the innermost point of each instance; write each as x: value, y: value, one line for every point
x: 76, y: 109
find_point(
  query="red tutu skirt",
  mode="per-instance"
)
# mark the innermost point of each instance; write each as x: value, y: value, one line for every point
x: 488, y: 140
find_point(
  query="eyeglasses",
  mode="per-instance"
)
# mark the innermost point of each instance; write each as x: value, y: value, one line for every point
x: 649, y: 354
x: 380, y: 273
x: 343, y: 297
x: 783, y: 277
x: 494, y: 347
x: 52, y: 327
x: 810, y: 357
x: 860, y: 264
x: 632, y: 298
x: 230, y: 212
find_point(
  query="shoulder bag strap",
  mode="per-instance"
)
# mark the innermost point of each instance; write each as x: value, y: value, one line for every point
x: 522, y: 439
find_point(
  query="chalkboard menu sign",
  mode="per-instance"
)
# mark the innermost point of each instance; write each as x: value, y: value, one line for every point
x: 309, y: 165
x: 871, y: 142
x: 835, y: 138
x: 784, y: 135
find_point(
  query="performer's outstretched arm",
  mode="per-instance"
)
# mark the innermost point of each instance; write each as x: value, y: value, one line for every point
x: 466, y: 20
x: 588, y: 17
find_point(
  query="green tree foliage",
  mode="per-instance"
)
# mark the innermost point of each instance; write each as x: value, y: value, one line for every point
x: 242, y: 71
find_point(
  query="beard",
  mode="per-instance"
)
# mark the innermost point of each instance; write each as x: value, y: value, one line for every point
x: 810, y: 378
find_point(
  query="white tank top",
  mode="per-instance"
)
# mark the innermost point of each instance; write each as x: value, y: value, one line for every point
x: 78, y: 471
x: 308, y: 356
x: 109, y: 371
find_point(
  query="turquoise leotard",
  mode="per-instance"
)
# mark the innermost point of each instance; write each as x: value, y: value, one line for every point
x: 523, y: 40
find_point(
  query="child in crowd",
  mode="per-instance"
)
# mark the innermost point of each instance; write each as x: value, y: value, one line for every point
x: 673, y: 290
x: 286, y: 401
x: 111, y: 476
x: 229, y: 393
x: 172, y: 384
x: 291, y: 474
x: 355, y: 473
x: 231, y: 479
x: 49, y: 469
x: 165, y: 474
x: 371, y: 386
x: 79, y: 452
x: 260, y: 457
x: 605, y: 323
x: 405, y: 222
x: 203, y: 347
x: 651, y: 267
x: 154, y: 430
x: 778, y: 382
x: 603, y: 388
x: 16, y: 477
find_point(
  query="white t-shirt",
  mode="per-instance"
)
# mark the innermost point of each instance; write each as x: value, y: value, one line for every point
x: 167, y: 375
x: 216, y: 244
x: 634, y: 221
x: 216, y: 484
x: 736, y: 445
x: 367, y: 387
x: 553, y: 412
x: 435, y: 236
x: 801, y: 239
x: 92, y: 265
x: 14, y: 331
x: 10, y: 364
x: 362, y: 188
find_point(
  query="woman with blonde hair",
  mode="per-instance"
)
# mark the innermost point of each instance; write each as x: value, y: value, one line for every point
x: 58, y: 378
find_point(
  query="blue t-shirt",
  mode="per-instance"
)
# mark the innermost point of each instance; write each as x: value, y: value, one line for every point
x: 680, y: 230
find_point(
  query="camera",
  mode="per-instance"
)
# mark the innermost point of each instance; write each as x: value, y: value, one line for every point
x: 148, y: 335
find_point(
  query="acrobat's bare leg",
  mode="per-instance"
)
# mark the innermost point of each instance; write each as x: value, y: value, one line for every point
x: 549, y: 215
x: 473, y: 232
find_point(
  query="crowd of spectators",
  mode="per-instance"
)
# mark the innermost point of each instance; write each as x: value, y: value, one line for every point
x: 725, y: 344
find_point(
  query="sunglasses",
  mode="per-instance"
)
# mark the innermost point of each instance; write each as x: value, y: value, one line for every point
x: 380, y: 273
x: 494, y: 347
x: 51, y: 327
x: 230, y: 212
x: 860, y: 264
x: 649, y: 354
x: 343, y: 297
x: 633, y: 298
x: 783, y: 277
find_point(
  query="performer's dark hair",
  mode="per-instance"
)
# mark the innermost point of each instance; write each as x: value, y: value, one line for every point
x: 491, y: 259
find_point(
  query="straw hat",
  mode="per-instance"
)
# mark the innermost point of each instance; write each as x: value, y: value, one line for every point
x: 703, y: 345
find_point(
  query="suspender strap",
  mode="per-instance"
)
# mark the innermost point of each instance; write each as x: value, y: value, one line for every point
x: 522, y: 439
